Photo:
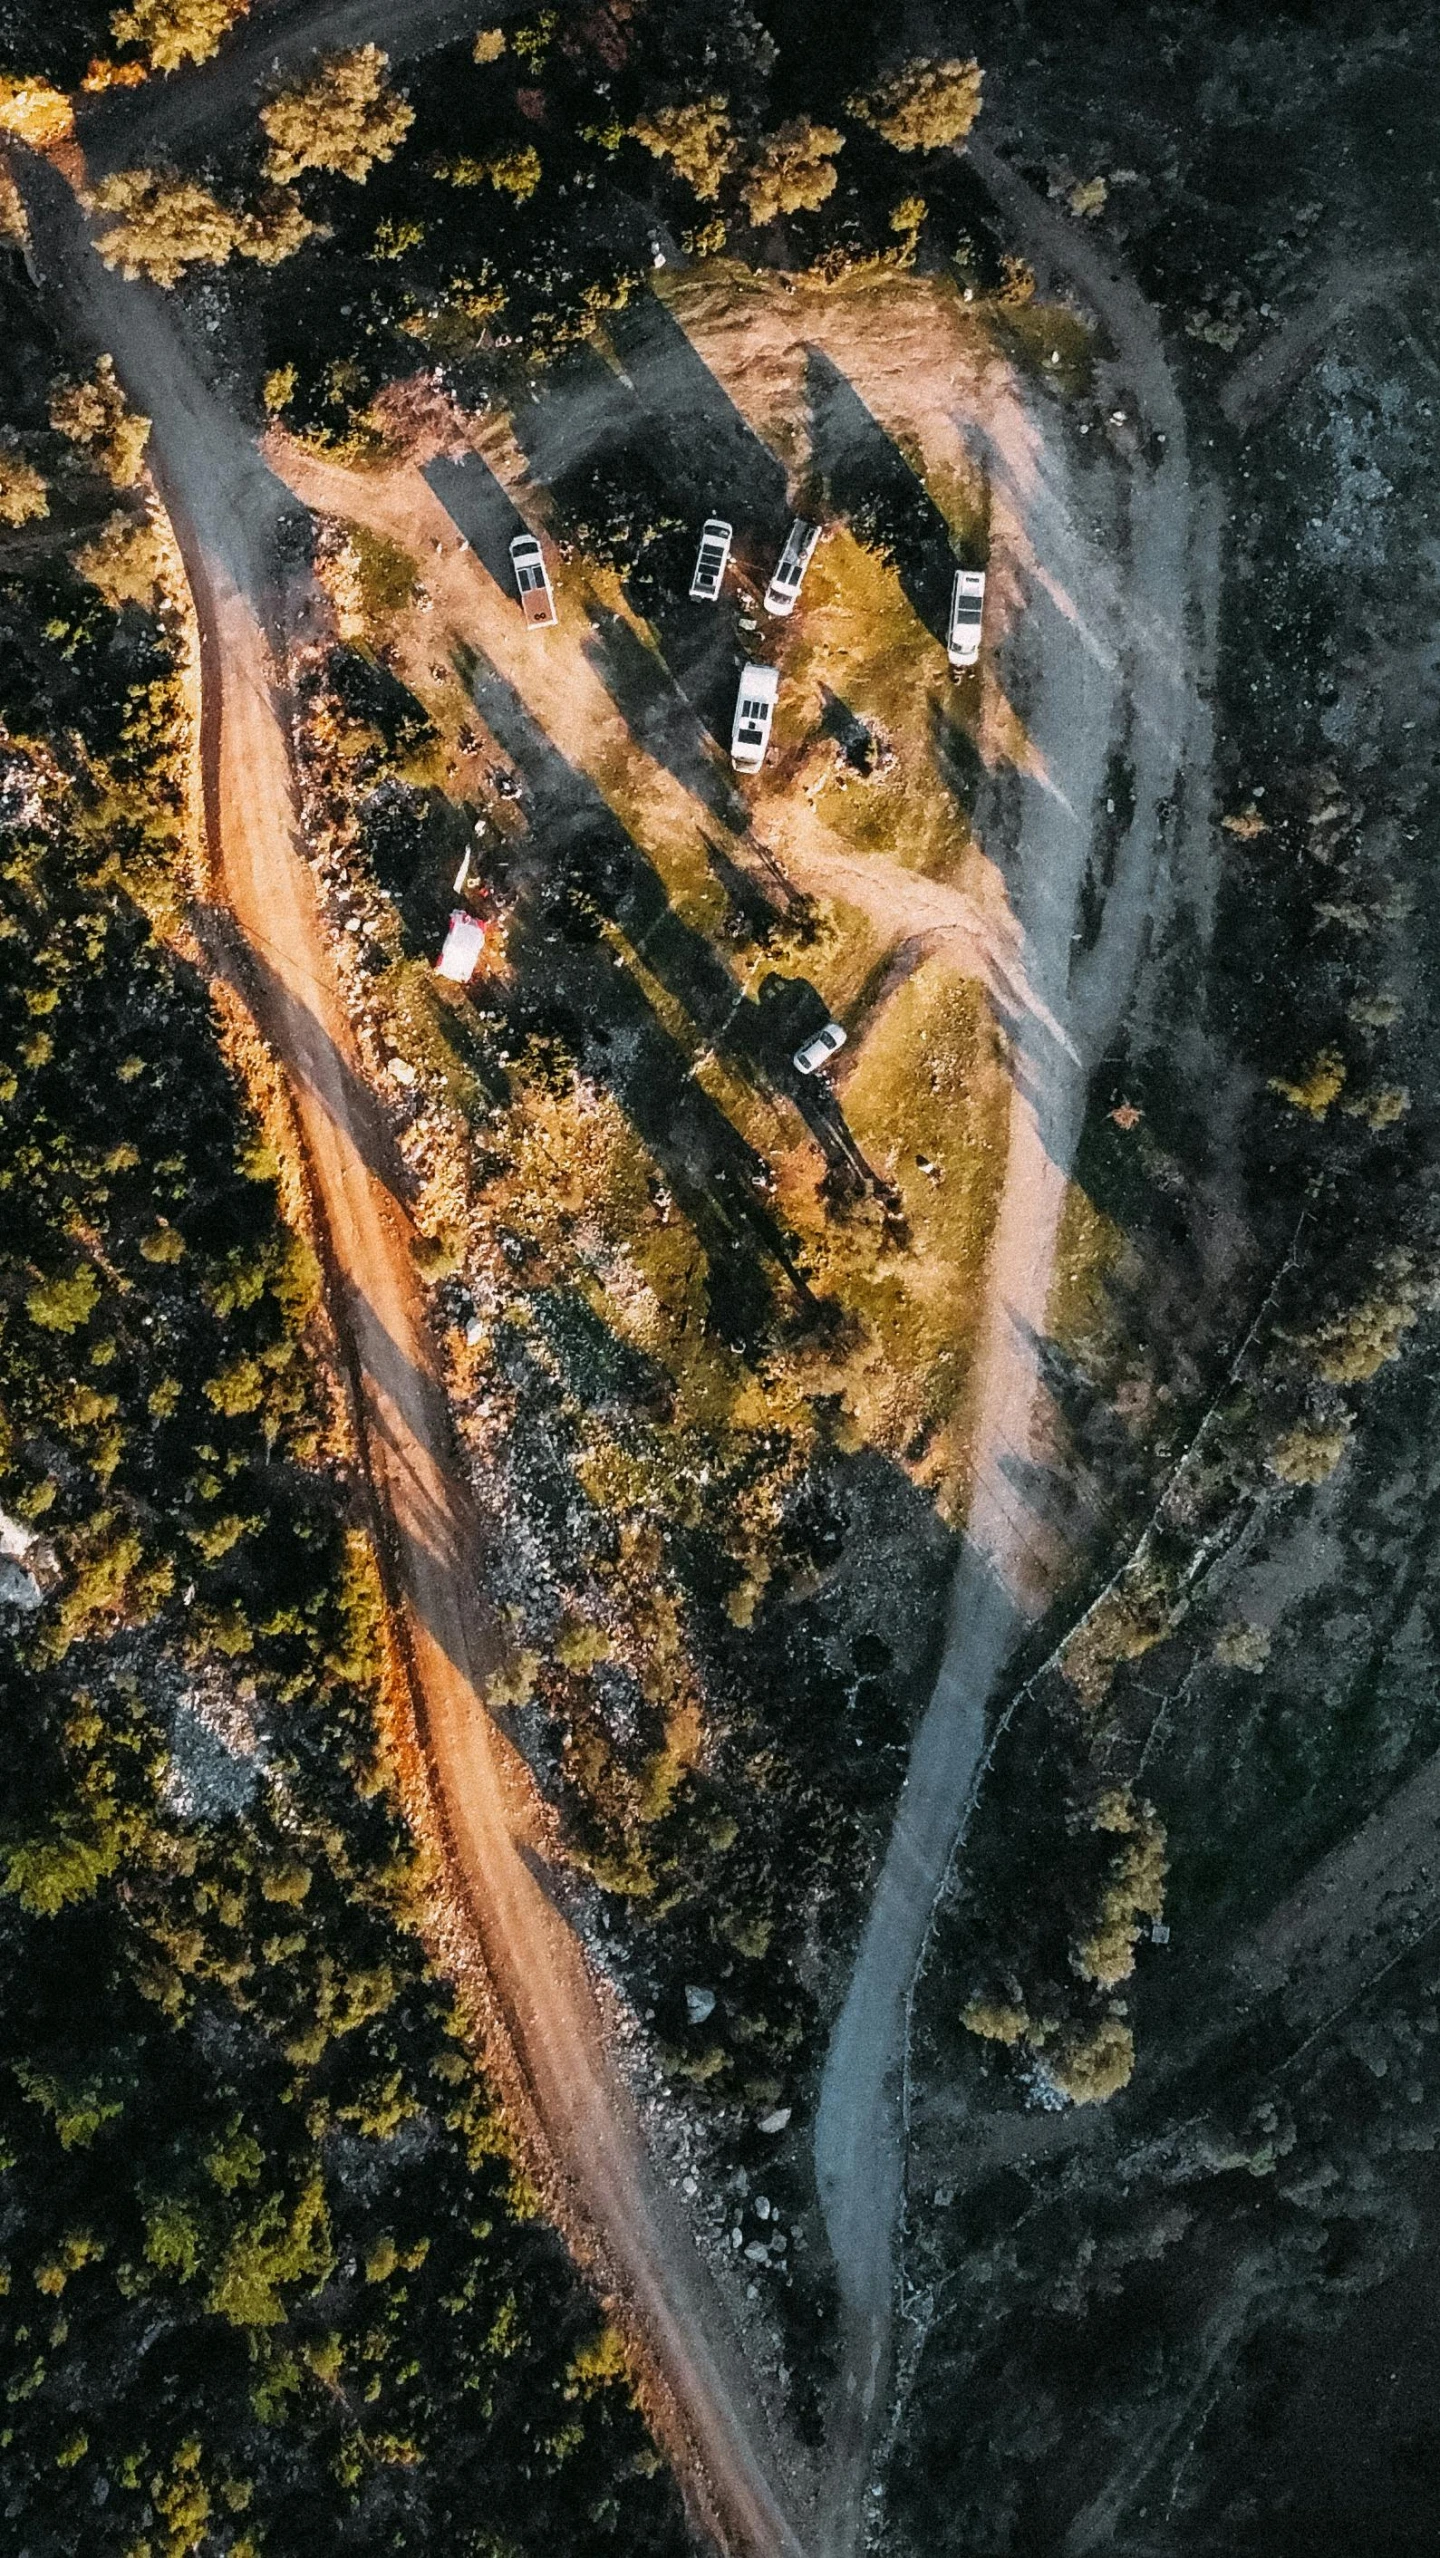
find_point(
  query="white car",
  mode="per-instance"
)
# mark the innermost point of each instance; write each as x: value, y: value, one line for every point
x: 790, y: 568
x: 754, y: 710
x: 532, y: 581
x: 712, y: 560
x: 809, y: 1059
x: 967, y: 604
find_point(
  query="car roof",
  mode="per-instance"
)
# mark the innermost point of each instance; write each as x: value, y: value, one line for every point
x: 524, y: 542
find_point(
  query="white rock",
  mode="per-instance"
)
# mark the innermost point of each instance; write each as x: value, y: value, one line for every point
x: 401, y: 1069
x: 775, y: 2122
x: 698, y: 2004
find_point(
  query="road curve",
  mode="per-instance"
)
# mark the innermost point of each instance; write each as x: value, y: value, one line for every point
x: 227, y: 510
x: 1106, y: 658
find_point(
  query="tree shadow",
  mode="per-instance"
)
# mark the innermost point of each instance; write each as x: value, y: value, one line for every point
x: 300, y: 1038
x: 481, y: 508
x: 661, y: 718
x: 868, y: 480
x: 713, y: 454
x: 957, y: 758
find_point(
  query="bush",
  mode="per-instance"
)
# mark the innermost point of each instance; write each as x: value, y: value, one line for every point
x: 167, y: 222
x: 95, y: 415
x: 176, y: 31
x: 342, y: 118
x: 925, y: 107
x: 22, y: 491
x: 793, y: 170
x: 1308, y: 1454
x: 1095, y: 2063
x: 695, y: 139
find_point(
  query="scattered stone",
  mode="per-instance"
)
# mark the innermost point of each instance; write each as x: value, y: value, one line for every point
x: 774, y: 2121
x: 401, y: 1069
x: 699, y: 2004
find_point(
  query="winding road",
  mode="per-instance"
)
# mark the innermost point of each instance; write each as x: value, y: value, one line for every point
x: 548, y: 2042
x: 1117, y: 641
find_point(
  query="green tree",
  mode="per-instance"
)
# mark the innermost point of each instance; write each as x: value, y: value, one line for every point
x: 166, y: 223
x: 176, y: 31
x: 694, y: 138
x: 95, y: 415
x: 927, y: 106
x: 342, y: 118
x: 22, y: 490
x: 793, y: 170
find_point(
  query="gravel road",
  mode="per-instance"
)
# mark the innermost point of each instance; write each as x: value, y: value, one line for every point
x: 1108, y: 658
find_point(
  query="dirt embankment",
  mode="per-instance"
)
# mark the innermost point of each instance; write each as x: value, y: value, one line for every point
x: 229, y: 514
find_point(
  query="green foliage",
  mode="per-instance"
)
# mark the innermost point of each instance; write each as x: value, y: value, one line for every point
x: 166, y: 222
x: 170, y: 32
x: 342, y: 119
x: 927, y: 106
x: 791, y: 170
x: 94, y: 415
x: 694, y: 138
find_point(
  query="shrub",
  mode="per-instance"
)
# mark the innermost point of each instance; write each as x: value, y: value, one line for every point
x: 1308, y: 1454
x: 95, y: 415
x: 1134, y: 1890
x: 1093, y: 2063
x: 167, y: 222
x: 793, y: 170
x: 176, y: 31
x: 22, y: 491
x: 1315, y: 1086
x: 63, y: 1304
x: 926, y: 106
x: 342, y: 118
x: 695, y: 139
x: 123, y: 562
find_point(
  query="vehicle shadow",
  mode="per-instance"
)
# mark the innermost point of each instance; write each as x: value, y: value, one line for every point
x: 481, y: 508
x: 660, y: 716
x: 868, y: 480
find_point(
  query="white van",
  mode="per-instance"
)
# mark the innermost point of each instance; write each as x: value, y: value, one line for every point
x: 790, y: 568
x: 967, y: 604
x: 532, y: 581
x: 754, y: 710
x: 710, y: 565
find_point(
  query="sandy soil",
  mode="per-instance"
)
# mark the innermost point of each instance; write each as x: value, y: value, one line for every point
x: 227, y: 509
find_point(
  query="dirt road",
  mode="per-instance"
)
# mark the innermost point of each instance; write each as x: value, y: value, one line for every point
x: 228, y: 510
x: 1104, y: 664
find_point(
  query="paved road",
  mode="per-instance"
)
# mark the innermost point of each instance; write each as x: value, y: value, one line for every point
x: 551, y: 2050
x: 1108, y: 658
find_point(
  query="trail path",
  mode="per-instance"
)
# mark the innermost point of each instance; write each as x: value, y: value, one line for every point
x: 1144, y: 617
x: 227, y: 510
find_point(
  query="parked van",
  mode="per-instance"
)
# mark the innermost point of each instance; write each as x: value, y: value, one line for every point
x: 754, y: 710
x: 710, y: 565
x: 532, y: 581
x: 967, y: 603
x: 790, y: 569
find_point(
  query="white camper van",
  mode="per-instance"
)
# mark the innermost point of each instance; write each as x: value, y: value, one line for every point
x: 784, y: 586
x: 754, y: 710
x: 711, y: 561
x: 967, y: 604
